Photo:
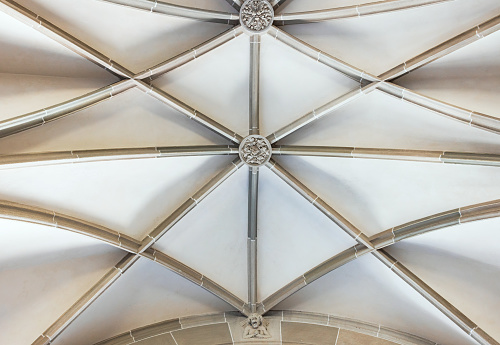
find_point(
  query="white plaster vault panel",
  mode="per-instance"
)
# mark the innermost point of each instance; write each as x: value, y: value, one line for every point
x: 145, y: 294
x: 377, y: 120
x: 212, y: 238
x: 311, y: 5
x: 131, y: 197
x: 130, y: 119
x: 47, y: 269
x: 476, y: 68
x: 27, y: 51
x: 292, y: 85
x: 135, y: 39
x: 466, y: 275
x: 295, y: 239
x: 378, y: 43
x: 377, y: 195
x: 42, y: 91
x: 43, y: 271
x: 367, y: 289
x: 476, y: 241
x: 215, y: 84
x: 215, y: 5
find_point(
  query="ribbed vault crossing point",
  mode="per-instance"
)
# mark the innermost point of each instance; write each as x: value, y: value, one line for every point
x: 170, y: 169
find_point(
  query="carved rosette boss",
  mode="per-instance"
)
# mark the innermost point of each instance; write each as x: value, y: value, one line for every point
x: 255, y: 150
x: 256, y: 16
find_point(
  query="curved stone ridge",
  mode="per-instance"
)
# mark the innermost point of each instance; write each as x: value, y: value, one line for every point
x: 290, y: 326
x: 256, y: 15
x: 255, y: 150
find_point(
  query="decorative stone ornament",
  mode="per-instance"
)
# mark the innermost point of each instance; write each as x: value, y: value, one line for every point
x: 255, y: 150
x: 255, y: 327
x: 256, y: 16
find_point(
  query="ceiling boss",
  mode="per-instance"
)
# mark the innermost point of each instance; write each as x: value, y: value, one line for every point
x: 256, y: 16
x: 255, y: 150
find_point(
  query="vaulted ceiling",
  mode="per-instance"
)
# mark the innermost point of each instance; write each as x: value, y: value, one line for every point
x: 123, y: 201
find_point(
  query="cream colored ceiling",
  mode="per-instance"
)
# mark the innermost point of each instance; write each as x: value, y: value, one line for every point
x: 44, y: 270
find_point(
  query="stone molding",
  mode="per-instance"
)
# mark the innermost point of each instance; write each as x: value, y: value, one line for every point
x: 181, y: 329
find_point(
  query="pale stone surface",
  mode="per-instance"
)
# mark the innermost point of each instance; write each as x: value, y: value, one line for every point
x: 165, y: 339
x: 204, y: 335
x: 353, y: 338
x: 303, y: 333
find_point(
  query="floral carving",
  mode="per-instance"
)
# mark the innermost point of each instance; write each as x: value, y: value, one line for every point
x: 256, y: 15
x: 255, y: 150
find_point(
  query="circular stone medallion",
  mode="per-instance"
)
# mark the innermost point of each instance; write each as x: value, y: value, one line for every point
x: 256, y: 16
x: 255, y: 150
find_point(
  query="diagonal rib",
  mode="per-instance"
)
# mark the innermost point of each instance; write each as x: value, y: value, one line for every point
x: 254, y: 85
x: 322, y: 57
x: 384, y: 239
x: 189, y: 205
x: 189, y: 55
x: 277, y: 3
x: 47, y: 28
x: 320, y: 112
x: 36, y: 215
x: 253, y: 195
x: 24, y: 213
x: 196, y: 278
x: 40, y: 117
x: 186, y: 110
x: 473, y: 118
x: 445, y: 48
x: 320, y: 204
x: 180, y: 11
x: 448, y: 309
x: 27, y: 160
x: 235, y: 3
x: 86, y: 300
x: 465, y: 158
x: 352, y: 11
x: 466, y: 116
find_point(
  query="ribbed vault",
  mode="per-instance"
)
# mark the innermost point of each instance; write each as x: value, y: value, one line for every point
x: 200, y: 182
